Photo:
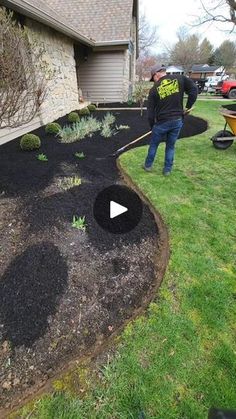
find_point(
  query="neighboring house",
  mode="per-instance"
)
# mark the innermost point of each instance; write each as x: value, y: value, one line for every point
x: 90, y: 46
x: 174, y: 69
x: 202, y: 71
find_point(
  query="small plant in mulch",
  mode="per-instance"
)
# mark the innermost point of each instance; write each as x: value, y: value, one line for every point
x: 79, y: 223
x: 53, y: 128
x: 30, y: 142
x: 122, y: 127
x: 42, y: 157
x: 84, y: 112
x: 141, y: 94
x: 79, y: 155
x: 92, y: 107
x: 130, y: 102
x: 69, y: 182
x: 73, y: 117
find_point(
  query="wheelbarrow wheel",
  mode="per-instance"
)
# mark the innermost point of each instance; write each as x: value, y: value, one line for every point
x: 222, y: 145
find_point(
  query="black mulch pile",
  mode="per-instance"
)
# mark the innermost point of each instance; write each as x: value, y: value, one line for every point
x: 63, y: 289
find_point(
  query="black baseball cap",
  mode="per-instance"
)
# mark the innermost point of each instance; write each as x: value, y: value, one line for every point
x: 156, y: 68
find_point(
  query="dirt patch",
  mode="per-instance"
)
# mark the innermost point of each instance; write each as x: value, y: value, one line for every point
x: 63, y: 290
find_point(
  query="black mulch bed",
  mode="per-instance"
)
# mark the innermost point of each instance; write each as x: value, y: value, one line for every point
x: 122, y: 105
x: 62, y: 289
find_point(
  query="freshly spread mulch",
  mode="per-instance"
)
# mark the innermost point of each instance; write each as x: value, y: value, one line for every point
x: 63, y: 290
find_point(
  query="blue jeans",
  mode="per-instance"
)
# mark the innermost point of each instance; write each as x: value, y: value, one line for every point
x: 169, y: 131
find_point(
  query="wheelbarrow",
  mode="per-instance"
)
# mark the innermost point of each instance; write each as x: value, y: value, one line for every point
x: 224, y: 139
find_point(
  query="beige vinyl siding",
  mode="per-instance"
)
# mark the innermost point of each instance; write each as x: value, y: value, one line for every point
x: 101, y: 77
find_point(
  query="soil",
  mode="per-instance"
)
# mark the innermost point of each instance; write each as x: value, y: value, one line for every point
x: 64, y: 290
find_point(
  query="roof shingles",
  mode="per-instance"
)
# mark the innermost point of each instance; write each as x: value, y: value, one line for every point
x: 101, y: 20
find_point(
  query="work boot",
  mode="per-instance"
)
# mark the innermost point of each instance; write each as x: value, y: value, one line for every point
x: 147, y: 169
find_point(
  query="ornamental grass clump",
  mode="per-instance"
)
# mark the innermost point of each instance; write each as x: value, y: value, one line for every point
x: 67, y: 135
x: 53, y: 128
x: 107, y: 131
x: 30, y: 142
x: 79, y: 130
x: 107, y: 122
x: 93, y: 124
x: 109, y: 119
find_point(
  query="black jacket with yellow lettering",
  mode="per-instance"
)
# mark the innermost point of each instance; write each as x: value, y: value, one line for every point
x: 165, y: 100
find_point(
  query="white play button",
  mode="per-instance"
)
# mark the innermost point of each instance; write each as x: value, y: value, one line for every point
x: 116, y: 209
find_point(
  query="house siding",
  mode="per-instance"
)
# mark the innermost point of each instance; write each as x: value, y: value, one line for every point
x: 103, y: 77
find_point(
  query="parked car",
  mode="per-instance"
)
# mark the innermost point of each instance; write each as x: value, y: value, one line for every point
x: 211, y: 83
x: 227, y: 88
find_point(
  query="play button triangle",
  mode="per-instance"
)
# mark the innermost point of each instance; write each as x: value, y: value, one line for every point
x: 116, y: 209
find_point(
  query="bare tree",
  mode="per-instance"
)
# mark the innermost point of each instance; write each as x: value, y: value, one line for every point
x: 223, y: 11
x: 23, y: 74
x: 147, y: 34
x: 143, y: 66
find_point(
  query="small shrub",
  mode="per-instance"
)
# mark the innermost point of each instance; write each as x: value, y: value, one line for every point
x: 42, y: 157
x: 141, y: 93
x: 73, y: 117
x: 30, y: 142
x: 79, y: 223
x: 92, y: 108
x: 84, y: 112
x: 53, y: 128
x: 80, y: 155
x: 130, y: 102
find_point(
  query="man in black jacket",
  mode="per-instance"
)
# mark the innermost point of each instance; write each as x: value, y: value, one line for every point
x: 165, y: 112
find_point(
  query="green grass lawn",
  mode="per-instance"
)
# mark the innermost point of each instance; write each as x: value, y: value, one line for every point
x: 178, y: 359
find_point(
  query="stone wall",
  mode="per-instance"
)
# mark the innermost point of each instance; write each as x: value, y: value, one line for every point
x: 62, y: 89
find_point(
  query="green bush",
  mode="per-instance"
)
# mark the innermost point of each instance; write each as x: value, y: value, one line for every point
x: 30, y: 142
x: 84, y: 112
x: 92, y: 108
x: 73, y: 117
x: 53, y: 128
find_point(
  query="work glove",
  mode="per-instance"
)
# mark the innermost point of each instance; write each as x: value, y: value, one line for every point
x: 187, y: 111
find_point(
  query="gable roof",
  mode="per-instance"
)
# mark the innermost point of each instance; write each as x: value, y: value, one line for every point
x: 100, y: 22
x: 174, y: 68
x: 204, y: 68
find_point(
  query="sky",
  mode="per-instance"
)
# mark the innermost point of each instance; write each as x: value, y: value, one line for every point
x: 172, y: 14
